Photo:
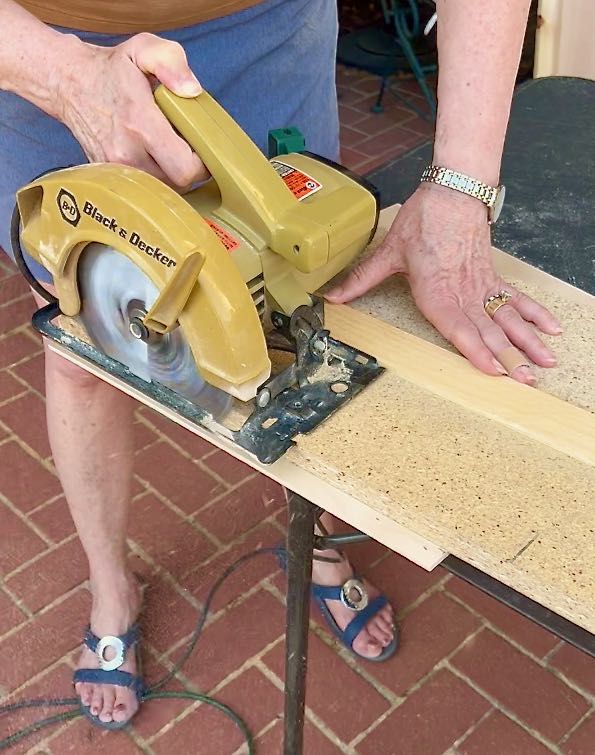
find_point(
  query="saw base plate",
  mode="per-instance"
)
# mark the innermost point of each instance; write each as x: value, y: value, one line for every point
x: 322, y: 387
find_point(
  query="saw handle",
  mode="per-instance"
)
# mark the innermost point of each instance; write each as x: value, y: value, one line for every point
x: 237, y: 165
x: 254, y: 197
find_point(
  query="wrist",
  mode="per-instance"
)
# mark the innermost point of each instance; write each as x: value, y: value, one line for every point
x: 72, y: 60
x: 452, y: 205
x: 48, y: 51
x: 480, y: 164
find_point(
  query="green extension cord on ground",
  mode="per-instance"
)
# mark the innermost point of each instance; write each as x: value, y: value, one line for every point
x: 152, y: 692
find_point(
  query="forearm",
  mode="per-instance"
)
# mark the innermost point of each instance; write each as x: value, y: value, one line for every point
x: 479, y: 47
x: 33, y: 57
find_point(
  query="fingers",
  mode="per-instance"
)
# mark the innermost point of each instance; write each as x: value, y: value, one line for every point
x: 147, y: 141
x: 458, y: 328
x: 166, y: 60
x: 534, y: 312
x: 130, y: 150
x: 363, y: 277
x: 171, y: 153
x: 512, y: 360
x: 521, y: 334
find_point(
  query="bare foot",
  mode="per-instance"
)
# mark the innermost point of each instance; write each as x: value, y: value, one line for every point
x: 379, y: 631
x: 115, y: 609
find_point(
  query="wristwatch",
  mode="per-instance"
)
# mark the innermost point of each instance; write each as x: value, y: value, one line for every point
x: 492, y: 197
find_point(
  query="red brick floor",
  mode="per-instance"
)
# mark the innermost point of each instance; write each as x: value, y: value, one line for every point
x: 369, y: 139
x: 471, y: 677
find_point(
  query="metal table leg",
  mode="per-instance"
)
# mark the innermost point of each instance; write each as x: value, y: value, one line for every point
x: 300, y: 542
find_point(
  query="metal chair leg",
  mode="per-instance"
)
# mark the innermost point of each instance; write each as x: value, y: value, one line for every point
x: 300, y: 543
x: 377, y: 106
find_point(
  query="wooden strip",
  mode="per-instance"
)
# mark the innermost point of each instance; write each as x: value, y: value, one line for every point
x: 530, y: 411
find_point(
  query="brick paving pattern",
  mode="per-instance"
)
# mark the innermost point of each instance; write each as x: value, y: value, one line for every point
x: 471, y: 677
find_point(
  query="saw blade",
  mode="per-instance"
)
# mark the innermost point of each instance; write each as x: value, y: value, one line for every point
x: 113, y: 291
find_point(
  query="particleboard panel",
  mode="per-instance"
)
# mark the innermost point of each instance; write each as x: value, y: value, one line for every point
x: 497, y: 473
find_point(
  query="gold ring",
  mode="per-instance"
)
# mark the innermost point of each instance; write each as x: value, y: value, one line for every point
x: 493, y: 303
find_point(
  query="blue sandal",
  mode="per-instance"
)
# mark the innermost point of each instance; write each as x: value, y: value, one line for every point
x: 108, y: 671
x: 353, y: 594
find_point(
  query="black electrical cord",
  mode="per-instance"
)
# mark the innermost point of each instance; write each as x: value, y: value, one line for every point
x: 151, y: 693
x: 19, y: 258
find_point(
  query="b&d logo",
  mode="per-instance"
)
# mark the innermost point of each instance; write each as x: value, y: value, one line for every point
x: 68, y: 207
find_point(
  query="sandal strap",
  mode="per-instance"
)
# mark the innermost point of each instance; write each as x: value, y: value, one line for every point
x: 127, y: 639
x: 327, y: 592
x: 119, y: 678
x: 362, y: 617
x: 344, y: 593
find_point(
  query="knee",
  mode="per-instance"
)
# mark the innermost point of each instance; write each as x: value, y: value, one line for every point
x: 57, y: 368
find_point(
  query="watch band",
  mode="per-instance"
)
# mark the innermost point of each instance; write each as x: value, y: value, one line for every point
x: 460, y: 182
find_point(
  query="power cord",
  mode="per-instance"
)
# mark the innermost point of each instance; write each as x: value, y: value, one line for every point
x: 152, y: 692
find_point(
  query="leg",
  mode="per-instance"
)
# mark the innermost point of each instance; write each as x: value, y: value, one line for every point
x: 300, y: 538
x: 90, y: 431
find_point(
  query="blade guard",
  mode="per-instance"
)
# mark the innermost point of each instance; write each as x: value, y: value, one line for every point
x: 200, y: 287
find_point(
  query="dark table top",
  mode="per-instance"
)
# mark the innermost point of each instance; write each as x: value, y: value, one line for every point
x: 549, y: 172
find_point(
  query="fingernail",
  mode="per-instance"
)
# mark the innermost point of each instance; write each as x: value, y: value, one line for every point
x: 498, y: 366
x: 336, y: 292
x: 189, y: 88
x: 526, y: 375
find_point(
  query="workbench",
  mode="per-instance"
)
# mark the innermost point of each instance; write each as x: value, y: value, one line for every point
x: 492, y: 479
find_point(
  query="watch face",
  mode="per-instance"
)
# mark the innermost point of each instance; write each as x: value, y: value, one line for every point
x: 496, y: 209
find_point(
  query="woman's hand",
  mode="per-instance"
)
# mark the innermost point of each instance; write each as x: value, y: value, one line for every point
x: 440, y: 241
x: 104, y: 96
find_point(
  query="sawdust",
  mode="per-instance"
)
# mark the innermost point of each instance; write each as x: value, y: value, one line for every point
x: 331, y: 370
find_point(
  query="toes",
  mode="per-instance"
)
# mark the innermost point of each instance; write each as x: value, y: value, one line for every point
x: 380, y: 631
x: 96, y: 700
x: 125, y: 705
x: 367, y: 645
x: 109, y: 697
x: 387, y: 624
x: 85, y: 692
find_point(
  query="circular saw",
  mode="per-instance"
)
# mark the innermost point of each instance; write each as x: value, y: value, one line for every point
x: 182, y: 294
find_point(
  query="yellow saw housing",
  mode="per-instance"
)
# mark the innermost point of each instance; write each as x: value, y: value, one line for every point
x: 223, y: 255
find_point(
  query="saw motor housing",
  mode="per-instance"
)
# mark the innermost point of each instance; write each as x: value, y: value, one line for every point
x: 260, y: 236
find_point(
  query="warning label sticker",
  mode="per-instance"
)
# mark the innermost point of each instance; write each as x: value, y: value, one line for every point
x: 228, y: 241
x: 300, y: 184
